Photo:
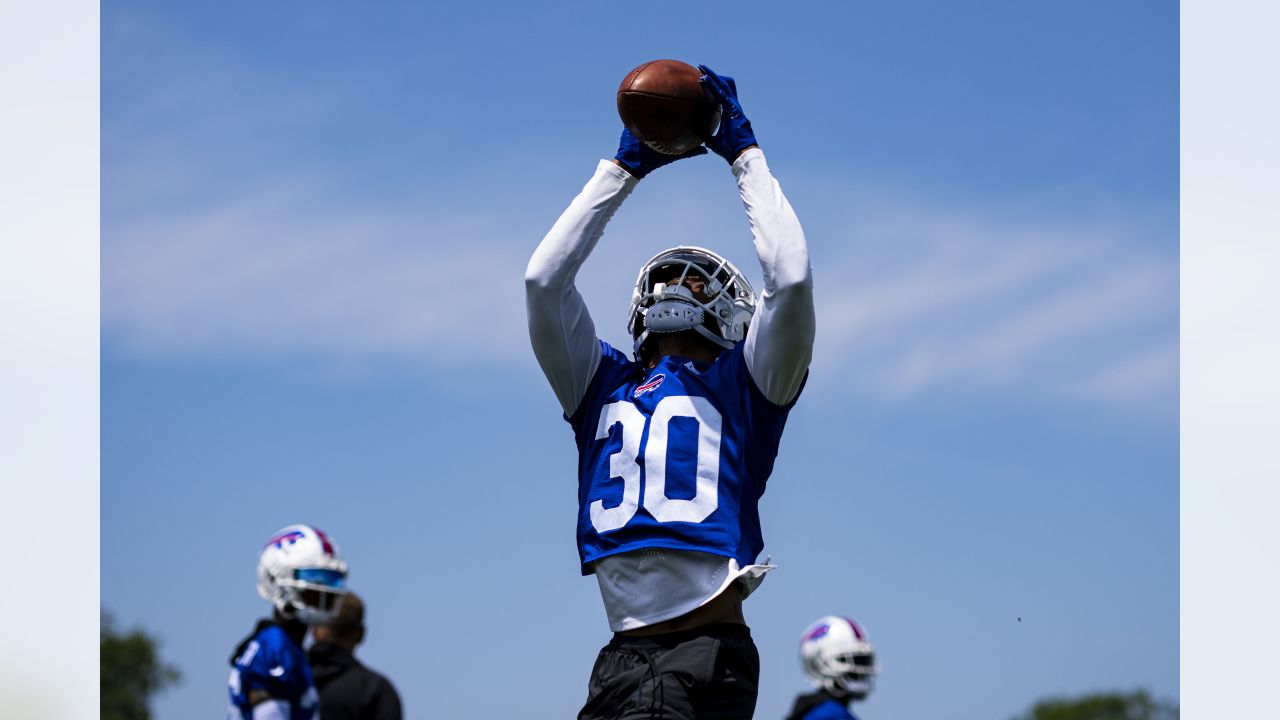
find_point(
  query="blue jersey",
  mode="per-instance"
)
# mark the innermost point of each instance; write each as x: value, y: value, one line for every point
x: 820, y: 705
x: 831, y: 710
x: 673, y: 457
x: 271, y: 661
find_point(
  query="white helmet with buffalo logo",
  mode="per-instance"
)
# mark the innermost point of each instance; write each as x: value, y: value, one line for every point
x: 301, y: 573
x: 838, y: 657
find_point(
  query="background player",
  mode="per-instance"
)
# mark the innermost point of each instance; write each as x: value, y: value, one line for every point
x: 675, y: 446
x: 841, y: 663
x: 302, y: 575
x: 348, y: 689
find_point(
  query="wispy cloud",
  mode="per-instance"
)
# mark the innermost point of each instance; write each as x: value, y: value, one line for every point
x: 277, y: 273
x: 1062, y: 311
x: 972, y: 301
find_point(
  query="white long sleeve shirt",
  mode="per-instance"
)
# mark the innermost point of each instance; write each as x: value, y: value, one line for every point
x: 649, y: 586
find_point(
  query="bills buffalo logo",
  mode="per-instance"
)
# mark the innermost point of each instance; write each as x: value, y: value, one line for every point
x: 292, y: 536
x: 288, y: 536
x: 818, y: 632
x: 654, y: 383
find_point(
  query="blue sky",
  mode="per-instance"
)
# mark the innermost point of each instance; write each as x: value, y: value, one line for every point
x: 315, y: 220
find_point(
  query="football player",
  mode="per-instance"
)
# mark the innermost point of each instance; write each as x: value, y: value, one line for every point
x: 841, y: 663
x: 302, y: 575
x: 676, y: 444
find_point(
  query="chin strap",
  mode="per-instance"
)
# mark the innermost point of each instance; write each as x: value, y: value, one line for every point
x: 700, y: 329
x: 704, y: 332
x: 635, y: 347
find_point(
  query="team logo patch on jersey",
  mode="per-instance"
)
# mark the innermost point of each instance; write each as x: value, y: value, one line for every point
x: 654, y: 383
x: 818, y: 632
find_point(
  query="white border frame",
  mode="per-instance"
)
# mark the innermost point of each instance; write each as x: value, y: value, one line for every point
x: 1230, y: 592
x: 49, y: 320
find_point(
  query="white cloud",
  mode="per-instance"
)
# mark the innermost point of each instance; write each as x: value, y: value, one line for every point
x: 955, y: 304
x: 1134, y: 377
x: 976, y: 303
x: 275, y: 274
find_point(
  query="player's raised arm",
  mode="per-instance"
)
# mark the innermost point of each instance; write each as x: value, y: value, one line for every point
x: 779, y: 343
x: 560, y: 328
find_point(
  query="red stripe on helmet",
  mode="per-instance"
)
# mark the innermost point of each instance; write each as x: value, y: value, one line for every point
x: 328, y: 547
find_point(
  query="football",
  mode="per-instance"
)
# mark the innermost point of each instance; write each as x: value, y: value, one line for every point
x: 663, y: 105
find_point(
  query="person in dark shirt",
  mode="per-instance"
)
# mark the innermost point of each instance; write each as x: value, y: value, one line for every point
x: 348, y: 689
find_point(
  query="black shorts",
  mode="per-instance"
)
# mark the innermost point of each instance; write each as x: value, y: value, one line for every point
x: 711, y: 671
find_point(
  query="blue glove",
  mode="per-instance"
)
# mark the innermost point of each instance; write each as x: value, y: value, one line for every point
x: 734, y: 134
x: 640, y: 159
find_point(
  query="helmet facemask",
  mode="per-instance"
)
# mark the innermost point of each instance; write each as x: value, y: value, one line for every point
x: 851, y: 675
x: 312, y: 595
x: 719, y: 309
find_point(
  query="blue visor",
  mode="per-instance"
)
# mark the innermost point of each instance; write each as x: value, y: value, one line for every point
x: 316, y: 576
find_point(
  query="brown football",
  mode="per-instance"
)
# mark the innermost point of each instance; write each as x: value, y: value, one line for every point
x: 663, y: 105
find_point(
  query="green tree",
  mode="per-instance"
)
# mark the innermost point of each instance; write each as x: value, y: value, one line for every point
x: 1137, y: 705
x: 132, y: 672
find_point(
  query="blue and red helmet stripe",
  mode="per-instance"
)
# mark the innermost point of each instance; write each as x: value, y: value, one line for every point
x: 817, y: 632
x: 328, y: 546
x: 290, y: 536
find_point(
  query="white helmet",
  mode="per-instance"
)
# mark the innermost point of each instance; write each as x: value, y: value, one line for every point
x: 838, y: 657
x: 301, y: 573
x: 660, y: 302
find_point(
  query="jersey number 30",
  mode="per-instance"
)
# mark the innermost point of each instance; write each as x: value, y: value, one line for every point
x: 625, y: 463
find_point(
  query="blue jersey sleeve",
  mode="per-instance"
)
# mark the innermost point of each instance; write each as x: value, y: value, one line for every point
x: 613, y: 369
x: 273, y: 663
